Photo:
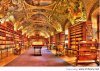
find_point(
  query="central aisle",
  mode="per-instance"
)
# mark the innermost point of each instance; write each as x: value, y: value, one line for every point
x: 47, y: 59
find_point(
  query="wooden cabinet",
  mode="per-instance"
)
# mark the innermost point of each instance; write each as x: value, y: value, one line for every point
x: 87, y: 52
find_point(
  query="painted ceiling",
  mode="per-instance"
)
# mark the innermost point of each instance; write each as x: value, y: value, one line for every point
x: 39, y: 2
x: 45, y: 17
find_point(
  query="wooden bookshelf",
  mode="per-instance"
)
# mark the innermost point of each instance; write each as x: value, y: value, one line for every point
x: 6, y: 38
x: 26, y: 42
x: 62, y: 38
x: 53, y: 42
x: 78, y: 32
x: 60, y: 44
x: 18, y: 40
x: 10, y: 39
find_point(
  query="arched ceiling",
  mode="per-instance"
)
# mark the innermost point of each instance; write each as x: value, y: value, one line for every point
x: 45, y: 16
x: 39, y: 2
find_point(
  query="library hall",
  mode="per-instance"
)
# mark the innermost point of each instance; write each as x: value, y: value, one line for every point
x: 49, y: 33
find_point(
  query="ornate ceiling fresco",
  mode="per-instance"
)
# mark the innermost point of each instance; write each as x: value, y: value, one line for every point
x: 39, y: 2
x: 45, y: 16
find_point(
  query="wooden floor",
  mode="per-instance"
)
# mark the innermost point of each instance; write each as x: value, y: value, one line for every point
x: 47, y: 57
x: 10, y: 58
x: 71, y: 60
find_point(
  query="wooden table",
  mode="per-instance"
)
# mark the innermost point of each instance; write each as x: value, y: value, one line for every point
x: 37, y: 50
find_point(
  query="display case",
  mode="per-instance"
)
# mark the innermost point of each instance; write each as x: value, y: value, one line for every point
x: 87, y: 52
